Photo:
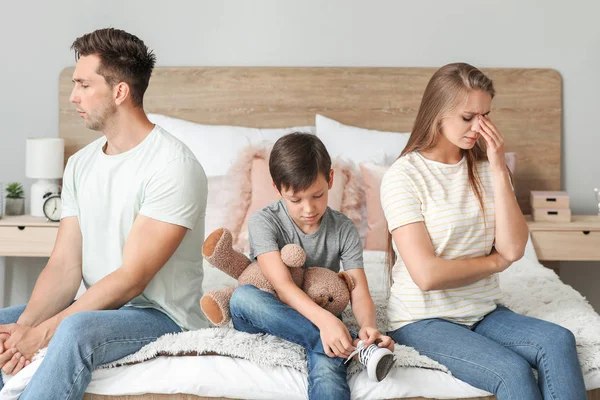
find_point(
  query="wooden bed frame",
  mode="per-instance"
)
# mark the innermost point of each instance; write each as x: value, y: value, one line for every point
x: 527, y: 110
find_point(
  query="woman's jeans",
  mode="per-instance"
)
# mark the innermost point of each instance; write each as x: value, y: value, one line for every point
x: 497, y: 355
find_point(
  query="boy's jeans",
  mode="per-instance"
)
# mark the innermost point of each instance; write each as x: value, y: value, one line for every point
x: 85, y: 340
x: 256, y: 311
x: 497, y: 355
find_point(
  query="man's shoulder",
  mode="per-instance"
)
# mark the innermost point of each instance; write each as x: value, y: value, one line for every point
x: 88, y: 150
x: 171, y: 147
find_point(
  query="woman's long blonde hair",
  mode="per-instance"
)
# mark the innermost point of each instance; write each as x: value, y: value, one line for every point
x: 447, y: 87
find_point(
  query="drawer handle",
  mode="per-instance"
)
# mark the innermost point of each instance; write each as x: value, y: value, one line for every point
x: 552, y: 212
x: 551, y: 199
x: 586, y: 232
x: 20, y: 228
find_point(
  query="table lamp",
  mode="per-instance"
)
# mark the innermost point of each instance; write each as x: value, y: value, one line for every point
x: 45, y: 159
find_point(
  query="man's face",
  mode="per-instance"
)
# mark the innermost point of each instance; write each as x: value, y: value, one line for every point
x: 91, y: 94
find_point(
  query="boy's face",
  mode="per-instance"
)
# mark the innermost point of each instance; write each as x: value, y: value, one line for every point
x: 308, y: 206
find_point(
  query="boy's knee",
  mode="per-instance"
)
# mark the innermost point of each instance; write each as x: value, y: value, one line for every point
x: 249, y: 303
x: 242, y: 296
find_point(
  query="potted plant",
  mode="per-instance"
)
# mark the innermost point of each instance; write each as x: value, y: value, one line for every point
x: 15, y: 203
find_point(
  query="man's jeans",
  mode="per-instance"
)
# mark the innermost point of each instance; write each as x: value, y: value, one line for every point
x: 256, y: 311
x: 86, y: 340
x: 497, y: 355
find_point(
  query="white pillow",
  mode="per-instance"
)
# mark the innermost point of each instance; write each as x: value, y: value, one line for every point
x: 358, y: 144
x: 220, y: 192
x: 217, y: 146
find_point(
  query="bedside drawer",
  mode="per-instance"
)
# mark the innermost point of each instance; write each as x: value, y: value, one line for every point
x: 31, y: 241
x: 567, y: 245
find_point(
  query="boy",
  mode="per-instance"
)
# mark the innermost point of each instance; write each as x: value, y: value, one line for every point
x: 301, y: 170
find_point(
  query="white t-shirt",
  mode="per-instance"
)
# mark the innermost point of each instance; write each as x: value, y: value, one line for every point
x: 159, y: 178
x: 417, y: 189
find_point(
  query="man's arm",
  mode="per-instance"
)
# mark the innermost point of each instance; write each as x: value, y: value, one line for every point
x: 59, y: 281
x: 54, y: 290
x: 149, y: 246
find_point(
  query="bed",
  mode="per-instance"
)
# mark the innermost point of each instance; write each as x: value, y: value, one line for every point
x: 528, y: 110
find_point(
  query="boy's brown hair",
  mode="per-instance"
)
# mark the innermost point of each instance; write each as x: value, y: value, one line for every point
x: 297, y: 160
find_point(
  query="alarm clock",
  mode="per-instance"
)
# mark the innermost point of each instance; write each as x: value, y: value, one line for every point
x: 52, y: 206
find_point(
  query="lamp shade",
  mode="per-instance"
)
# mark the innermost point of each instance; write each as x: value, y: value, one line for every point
x: 45, y: 158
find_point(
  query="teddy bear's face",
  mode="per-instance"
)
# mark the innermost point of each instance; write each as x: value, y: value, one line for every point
x: 326, y: 289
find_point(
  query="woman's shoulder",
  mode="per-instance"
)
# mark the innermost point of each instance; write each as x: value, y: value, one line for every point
x: 405, y: 165
x: 405, y: 170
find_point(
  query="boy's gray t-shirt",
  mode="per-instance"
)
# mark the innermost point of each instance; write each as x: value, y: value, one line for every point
x: 336, y: 239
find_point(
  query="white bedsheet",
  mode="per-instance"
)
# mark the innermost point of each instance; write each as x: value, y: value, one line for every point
x: 213, y: 376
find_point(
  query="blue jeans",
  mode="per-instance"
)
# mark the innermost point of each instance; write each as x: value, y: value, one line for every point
x: 497, y: 355
x: 256, y: 311
x: 85, y: 340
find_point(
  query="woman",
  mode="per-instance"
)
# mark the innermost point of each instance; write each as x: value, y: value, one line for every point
x: 455, y: 224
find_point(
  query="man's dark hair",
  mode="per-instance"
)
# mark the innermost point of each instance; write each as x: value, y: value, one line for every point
x: 297, y: 160
x: 123, y: 58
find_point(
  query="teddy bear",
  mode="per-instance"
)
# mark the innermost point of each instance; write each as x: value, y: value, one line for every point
x: 325, y: 287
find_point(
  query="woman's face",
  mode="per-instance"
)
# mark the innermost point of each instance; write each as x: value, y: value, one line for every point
x: 461, y: 127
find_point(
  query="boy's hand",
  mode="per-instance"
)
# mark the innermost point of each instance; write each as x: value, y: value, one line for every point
x: 336, y: 339
x: 370, y: 335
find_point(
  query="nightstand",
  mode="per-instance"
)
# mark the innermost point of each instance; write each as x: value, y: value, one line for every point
x: 27, y: 236
x: 578, y: 240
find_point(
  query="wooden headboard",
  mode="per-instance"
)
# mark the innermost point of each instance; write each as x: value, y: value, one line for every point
x: 527, y: 108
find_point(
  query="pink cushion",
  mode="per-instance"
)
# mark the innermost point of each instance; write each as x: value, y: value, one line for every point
x: 219, y: 192
x: 376, y: 236
x: 263, y: 193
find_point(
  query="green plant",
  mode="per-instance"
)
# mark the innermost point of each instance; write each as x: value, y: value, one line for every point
x: 14, y: 191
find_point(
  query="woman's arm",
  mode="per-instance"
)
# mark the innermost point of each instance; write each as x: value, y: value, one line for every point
x: 511, y: 228
x: 434, y: 273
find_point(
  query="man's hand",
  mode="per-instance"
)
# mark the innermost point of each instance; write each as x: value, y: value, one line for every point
x: 11, y: 360
x: 25, y: 339
x: 5, y: 353
x: 370, y: 335
x: 336, y: 339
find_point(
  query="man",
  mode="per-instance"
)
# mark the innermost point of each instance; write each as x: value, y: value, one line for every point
x: 132, y: 225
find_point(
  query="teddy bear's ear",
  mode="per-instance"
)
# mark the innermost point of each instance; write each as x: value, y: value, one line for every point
x: 293, y: 255
x: 348, y: 279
